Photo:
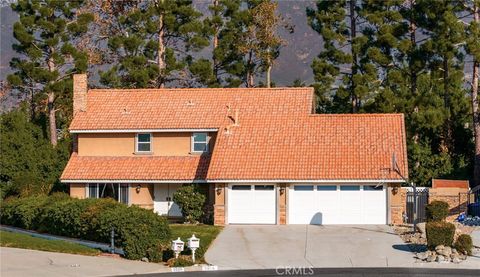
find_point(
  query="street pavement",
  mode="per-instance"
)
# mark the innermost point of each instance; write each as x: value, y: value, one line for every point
x: 23, y: 262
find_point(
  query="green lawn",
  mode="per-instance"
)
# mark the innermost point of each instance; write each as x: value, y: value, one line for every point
x: 206, y: 234
x: 9, y: 239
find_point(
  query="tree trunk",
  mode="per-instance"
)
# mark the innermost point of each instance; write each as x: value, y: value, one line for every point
x: 269, y: 81
x: 268, y: 73
x: 215, y: 45
x: 52, y: 119
x: 250, y: 77
x: 51, y: 103
x: 353, y: 33
x: 476, y: 112
x: 413, y: 71
x: 161, y: 51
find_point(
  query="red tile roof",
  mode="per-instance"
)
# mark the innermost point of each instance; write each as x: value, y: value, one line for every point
x: 277, y: 138
x: 441, y: 183
x: 317, y: 147
x: 136, y: 168
x: 186, y: 108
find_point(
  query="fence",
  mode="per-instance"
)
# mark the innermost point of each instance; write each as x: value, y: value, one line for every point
x: 473, y: 202
x: 422, y: 201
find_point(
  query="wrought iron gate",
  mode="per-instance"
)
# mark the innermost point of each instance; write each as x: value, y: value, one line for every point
x: 422, y: 201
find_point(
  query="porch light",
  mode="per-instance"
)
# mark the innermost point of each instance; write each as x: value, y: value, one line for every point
x: 394, y: 190
x: 193, y: 243
x: 137, y: 189
x: 177, y: 246
x: 218, y: 190
x: 282, y: 190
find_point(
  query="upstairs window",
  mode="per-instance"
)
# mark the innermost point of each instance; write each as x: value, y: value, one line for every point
x: 144, y: 143
x: 200, y: 142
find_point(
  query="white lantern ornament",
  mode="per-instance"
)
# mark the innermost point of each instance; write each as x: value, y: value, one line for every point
x: 193, y: 243
x: 177, y: 246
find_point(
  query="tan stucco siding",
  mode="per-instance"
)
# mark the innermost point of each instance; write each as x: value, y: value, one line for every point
x: 142, y: 198
x: 78, y: 191
x: 106, y: 144
x: 123, y: 144
x: 171, y: 144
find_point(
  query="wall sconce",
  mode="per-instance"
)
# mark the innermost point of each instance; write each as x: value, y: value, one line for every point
x: 282, y: 190
x: 394, y: 190
x: 137, y: 189
x: 218, y: 190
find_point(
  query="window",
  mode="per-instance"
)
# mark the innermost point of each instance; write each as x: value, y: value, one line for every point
x: 119, y: 192
x: 370, y: 188
x: 144, y: 143
x: 237, y: 187
x: 327, y: 188
x: 200, y: 142
x: 349, y: 187
x: 266, y: 187
x: 303, y: 188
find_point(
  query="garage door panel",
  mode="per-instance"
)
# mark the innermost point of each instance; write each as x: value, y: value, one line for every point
x: 374, y: 205
x: 327, y: 201
x: 303, y: 196
x: 264, y: 199
x: 239, y: 198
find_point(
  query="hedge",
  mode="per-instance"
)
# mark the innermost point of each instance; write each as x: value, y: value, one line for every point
x: 437, y: 211
x: 464, y: 244
x: 140, y: 232
x: 439, y: 233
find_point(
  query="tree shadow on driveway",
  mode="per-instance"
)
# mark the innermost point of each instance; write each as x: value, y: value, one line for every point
x: 410, y: 247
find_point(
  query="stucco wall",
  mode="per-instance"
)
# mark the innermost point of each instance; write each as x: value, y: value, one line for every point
x: 143, y: 198
x: 123, y: 144
x: 77, y: 191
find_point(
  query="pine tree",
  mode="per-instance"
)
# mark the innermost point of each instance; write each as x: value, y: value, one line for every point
x: 408, y: 42
x: 46, y: 34
x: 341, y: 70
x: 245, y: 41
x: 154, y: 44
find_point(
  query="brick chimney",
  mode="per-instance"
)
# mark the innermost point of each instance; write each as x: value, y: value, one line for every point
x: 79, y: 93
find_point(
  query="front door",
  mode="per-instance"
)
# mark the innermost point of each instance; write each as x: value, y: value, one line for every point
x: 163, y: 202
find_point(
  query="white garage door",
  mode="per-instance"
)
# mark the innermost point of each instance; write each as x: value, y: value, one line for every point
x: 251, y: 204
x: 333, y: 204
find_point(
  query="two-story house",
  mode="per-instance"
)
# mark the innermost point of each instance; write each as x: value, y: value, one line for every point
x: 261, y: 154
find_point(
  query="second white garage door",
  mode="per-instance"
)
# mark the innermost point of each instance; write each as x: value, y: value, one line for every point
x: 333, y: 204
x: 251, y: 204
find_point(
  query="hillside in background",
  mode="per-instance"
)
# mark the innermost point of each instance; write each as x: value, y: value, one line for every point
x: 293, y: 63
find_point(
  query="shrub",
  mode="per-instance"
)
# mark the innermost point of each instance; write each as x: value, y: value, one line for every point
x: 181, y: 261
x: 23, y: 212
x: 437, y: 211
x: 464, y: 244
x: 140, y: 232
x: 64, y: 218
x: 439, y: 233
x: 191, y: 201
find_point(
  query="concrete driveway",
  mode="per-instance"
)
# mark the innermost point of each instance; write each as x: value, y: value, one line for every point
x: 249, y: 246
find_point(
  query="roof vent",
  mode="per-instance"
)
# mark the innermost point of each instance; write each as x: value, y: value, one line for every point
x: 125, y: 111
x: 234, y: 118
x: 190, y: 103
